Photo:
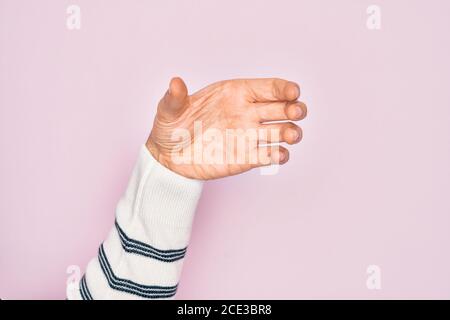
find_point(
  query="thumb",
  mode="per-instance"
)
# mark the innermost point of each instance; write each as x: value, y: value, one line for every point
x: 175, y: 99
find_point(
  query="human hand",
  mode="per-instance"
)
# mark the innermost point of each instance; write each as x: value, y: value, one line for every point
x: 221, y: 130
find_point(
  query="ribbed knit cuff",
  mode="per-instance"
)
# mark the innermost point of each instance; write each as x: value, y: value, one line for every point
x: 171, y: 195
x: 157, y: 196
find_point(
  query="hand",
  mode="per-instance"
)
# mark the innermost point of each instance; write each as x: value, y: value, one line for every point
x: 220, y: 130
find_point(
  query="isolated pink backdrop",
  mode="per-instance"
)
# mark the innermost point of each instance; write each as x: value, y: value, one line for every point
x: 369, y: 184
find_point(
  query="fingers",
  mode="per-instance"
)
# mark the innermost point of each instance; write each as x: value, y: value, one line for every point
x: 272, y: 89
x: 279, y: 132
x: 269, y: 155
x: 277, y: 111
x: 175, y: 99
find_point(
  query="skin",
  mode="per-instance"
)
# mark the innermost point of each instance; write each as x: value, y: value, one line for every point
x: 231, y: 104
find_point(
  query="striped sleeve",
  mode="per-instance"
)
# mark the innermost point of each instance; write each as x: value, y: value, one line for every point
x: 143, y: 254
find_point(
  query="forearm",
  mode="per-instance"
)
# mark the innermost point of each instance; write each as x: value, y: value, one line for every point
x: 143, y: 254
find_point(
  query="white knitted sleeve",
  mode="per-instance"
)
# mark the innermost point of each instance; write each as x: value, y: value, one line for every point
x: 143, y: 254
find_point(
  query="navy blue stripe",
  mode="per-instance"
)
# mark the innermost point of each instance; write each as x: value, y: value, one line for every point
x: 140, y: 251
x: 150, y: 255
x: 131, y: 287
x: 88, y: 293
x: 102, y: 255
x: 83, y: 296
x: 85, y: 293
x: 149, y: 247
x: 138, y: 247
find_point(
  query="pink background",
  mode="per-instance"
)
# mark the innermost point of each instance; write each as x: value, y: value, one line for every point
x: 369, y: 184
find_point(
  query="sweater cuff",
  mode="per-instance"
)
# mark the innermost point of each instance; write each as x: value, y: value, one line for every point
x: 173, y: 196
x: 158, y: 196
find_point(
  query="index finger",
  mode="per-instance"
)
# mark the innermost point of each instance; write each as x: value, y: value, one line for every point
x: 273, y: 89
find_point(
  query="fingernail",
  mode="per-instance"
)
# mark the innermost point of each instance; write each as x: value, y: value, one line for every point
x: 282, y: 156
x: 297, y: 90
x: 295, y: 135
x: 298, y: 112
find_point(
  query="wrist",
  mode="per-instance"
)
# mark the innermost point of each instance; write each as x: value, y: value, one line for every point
x: 163, y: 159
x: 169, y: 196
x: 154, y: 150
